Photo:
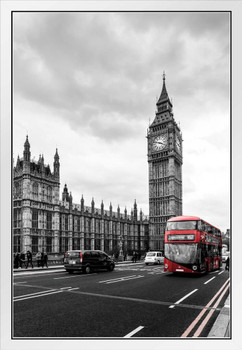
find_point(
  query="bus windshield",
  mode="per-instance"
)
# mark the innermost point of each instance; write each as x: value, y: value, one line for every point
x: 181, y: 225
x: 181, y: 253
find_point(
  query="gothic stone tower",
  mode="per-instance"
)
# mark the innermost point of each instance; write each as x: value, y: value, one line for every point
x: 36, y: 203
x: 165, y: 169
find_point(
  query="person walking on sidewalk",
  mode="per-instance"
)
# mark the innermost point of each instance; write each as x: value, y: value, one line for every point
x: 16, y: 260
x: 38, y: 259
x: 42, y: 259
x: 227, y: 264
x: 21, y: 259
x: 29, y: 259
x: 45, y: 261
x: 134, y: 259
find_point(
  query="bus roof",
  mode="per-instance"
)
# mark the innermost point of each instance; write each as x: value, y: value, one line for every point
x: 184, y: 218
x: 187, y: 218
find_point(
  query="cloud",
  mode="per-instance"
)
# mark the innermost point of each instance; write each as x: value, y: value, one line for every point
x: 88, y: 82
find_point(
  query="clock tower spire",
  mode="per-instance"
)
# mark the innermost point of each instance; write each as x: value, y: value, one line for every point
x: 165, y: 169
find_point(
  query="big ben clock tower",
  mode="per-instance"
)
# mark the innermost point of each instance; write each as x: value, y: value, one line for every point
x: 165, y: 169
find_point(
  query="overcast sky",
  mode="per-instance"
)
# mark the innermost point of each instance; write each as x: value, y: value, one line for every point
x: 87, y: 84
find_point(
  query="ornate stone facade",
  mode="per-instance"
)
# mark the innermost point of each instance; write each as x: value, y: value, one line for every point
x: 165, y: 169
x: 44, y: 222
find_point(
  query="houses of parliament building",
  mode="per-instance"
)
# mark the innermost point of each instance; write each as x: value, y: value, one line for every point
x: 42, y: 221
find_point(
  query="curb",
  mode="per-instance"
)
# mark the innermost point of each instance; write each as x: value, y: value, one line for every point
x: 221, y: 327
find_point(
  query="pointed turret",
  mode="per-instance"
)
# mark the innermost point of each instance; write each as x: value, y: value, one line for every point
x: 141, y: 215
x: 102, y: 208
x: 164, y: 102
x: 26, y: 152
x: 135, y: 211
x: 56, y: 164
x: 82, y: 204
x: 93, y: 204
x: 65, y: 194
x: 18, y: 163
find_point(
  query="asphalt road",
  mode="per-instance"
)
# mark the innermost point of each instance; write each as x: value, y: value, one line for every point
x: 134, y: 300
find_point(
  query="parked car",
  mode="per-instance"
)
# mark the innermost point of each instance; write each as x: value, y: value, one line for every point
x: 154, y: 258
x: 225, y: 256
x: 87, y: 261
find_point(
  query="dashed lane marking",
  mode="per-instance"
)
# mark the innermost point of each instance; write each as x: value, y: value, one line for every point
x: 136, y: 330
x: 209, y: 280
x: 179, y: 301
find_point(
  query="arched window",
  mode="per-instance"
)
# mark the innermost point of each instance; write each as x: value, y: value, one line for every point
x: 35, y: 190
x: 35, y: 217
x: 49, y: 220
x: 17, y: 189
x: 49, y: 194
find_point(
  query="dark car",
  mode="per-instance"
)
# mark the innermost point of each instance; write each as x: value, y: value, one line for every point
x: 87, y: 261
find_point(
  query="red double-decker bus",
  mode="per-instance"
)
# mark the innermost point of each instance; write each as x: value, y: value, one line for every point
x: 191, y: 245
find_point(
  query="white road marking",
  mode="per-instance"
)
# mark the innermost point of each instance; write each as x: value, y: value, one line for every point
x: 26, y: 295
x: 29, y: 273
x: 179, y: 301
x: 125, y: 279
x: 65, y: 287
x: 39, y: 295
x: 118, y: 278
x: 20, y: 282
x: 58, y: 278
x: 72, y: 289
x: 134, y: 331
x: 209, y: 280
x: 121, y: 279
x: 221, y: 272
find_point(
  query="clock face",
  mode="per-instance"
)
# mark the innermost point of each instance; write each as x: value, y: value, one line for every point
x: 178, y: 144
x: 159, y: 142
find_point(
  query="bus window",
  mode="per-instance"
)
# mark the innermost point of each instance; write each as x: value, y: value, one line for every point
x: 181, y: 225
x: 201, y: 225
x: 181, y: 253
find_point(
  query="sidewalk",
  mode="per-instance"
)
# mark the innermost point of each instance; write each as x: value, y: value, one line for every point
x: 221, y: 327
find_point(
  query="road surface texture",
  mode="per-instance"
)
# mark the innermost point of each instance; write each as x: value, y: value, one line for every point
x: 133, y: 301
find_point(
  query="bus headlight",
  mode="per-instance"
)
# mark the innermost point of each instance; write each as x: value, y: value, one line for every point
x: 194, y: 267
x: 166, y: 266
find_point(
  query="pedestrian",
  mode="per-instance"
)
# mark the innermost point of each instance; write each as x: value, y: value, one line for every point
x: 134, y: 257
x: 22, y: 259
x: 227, y: 264
x: 42, y: 259
x: 16, y: 260
x: 38, y: 259
x: 29, y: 259
x: 45, y: 260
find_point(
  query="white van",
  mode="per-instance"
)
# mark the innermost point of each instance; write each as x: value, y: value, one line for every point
x: 154, y: 258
